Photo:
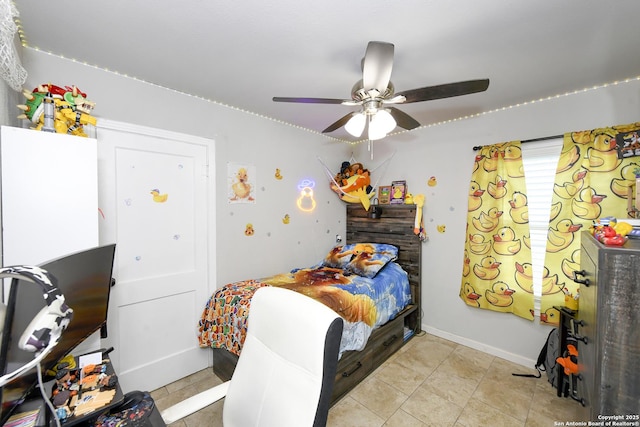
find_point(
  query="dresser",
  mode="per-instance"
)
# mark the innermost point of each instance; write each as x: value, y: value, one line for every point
x: 609, y: 329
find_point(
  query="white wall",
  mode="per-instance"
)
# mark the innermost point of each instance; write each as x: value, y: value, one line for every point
x: 444, y: 151
x: 9, y: 98
x: 239, y: 137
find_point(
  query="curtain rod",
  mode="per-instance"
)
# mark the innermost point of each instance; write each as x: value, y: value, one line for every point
x: 544, y: 138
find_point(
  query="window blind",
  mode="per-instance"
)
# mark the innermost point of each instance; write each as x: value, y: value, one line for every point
x: 540, y: 160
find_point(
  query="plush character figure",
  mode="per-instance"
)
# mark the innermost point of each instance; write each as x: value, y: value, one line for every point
x: 55, y: 109
x: 353, y: 184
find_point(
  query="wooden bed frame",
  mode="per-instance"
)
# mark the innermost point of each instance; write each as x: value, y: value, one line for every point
x: 393, y: 225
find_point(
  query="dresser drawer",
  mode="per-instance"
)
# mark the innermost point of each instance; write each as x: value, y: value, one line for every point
x: 587, y: 316
x: 388, y: 342
x: 353, y: 367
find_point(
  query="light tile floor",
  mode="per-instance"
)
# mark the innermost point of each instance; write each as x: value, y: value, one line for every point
x: 429, y: 382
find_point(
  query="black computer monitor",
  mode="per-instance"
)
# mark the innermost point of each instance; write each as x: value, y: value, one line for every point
x: 84, y: 278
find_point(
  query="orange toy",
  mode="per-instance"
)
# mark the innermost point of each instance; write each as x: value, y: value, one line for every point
x: 569, y: 362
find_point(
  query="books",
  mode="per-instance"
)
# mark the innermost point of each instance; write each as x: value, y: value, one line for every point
x: 398, y: 192
x: 384, y: 194
x: 23, y: 419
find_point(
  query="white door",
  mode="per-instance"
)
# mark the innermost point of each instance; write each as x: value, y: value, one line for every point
x: 154, y: 197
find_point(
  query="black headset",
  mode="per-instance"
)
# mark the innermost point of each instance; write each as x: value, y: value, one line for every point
x: 45, y: 330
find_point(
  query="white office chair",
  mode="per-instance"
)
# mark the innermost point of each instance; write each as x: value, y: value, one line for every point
x: 287, y: 367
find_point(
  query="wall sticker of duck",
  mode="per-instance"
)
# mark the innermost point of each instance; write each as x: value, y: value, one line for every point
x: 157, y: 197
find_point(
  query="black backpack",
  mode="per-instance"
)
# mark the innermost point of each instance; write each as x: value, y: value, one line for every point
x: 547, y: 358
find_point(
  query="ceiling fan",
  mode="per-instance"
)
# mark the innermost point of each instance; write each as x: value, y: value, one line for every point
x: 375, y: 93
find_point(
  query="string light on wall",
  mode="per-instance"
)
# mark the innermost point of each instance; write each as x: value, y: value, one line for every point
x: 505, y: 108
x: 356, y: 121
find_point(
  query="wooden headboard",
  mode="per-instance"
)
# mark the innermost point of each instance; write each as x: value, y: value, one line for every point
x: 393, y: 225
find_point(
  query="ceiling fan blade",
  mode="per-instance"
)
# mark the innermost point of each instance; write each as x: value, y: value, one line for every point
x: 377, y: 65
x: 309, y: 100
x: 444, y: 91
x: 339, y: 123
x: 403, y: 119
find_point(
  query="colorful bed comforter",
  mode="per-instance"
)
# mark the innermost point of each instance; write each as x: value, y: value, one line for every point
x: 364, y: 303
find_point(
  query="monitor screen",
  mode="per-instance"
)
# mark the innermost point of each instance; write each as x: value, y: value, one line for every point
x: 84, y: 278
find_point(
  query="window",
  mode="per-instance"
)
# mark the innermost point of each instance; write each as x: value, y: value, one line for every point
x: 540, y: 161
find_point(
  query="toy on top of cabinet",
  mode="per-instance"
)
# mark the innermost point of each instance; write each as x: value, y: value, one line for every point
x: 613, y: 233
x: 55, y: 109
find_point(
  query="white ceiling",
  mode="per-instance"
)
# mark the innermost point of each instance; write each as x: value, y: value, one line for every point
x: 243, y: 53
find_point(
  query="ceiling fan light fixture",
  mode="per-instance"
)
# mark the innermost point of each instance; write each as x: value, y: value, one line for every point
x: 355, y: 125
x: 381, y: 124
x: 375, y: 90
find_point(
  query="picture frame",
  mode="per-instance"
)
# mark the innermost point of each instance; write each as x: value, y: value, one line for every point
x: 398, y: 192
x: 384, y: 194
x: 628, y: 144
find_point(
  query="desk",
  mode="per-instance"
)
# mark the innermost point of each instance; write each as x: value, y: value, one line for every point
x: 88, y: 397
x: 46, y: 418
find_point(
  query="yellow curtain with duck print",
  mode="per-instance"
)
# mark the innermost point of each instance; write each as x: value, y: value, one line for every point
x: 497, y: 255
x: 593, y: 177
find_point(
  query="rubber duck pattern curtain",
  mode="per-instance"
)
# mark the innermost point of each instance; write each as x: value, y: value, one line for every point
x: 595, y: 171
x: 497, y: 255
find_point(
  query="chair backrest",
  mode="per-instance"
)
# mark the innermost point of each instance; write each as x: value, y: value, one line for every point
x: 287, y: 366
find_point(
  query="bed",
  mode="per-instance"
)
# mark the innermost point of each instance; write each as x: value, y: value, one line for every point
x: 376, y: 291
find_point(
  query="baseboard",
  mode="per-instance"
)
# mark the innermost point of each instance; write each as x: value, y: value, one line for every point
x: 525, y: 362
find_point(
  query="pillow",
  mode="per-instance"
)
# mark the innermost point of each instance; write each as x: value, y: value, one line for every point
x: 338, y: 257
x: 341, y: 255
x: 369, y: 258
